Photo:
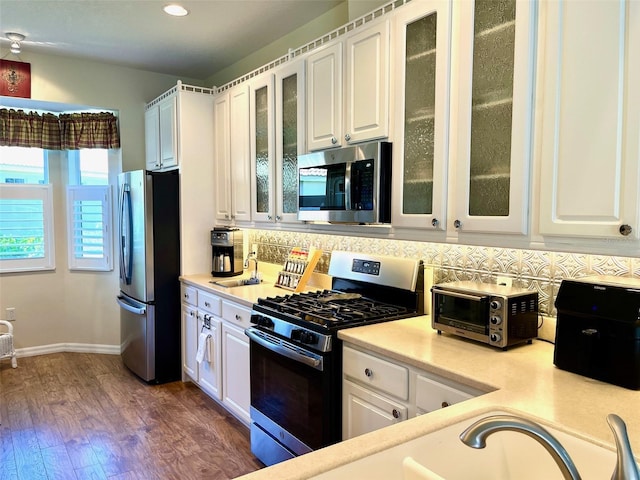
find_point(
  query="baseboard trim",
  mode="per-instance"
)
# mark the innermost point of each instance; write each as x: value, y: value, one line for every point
x: 68, y: 347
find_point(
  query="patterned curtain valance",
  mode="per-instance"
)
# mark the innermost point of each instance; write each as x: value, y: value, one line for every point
x: 71, y: 131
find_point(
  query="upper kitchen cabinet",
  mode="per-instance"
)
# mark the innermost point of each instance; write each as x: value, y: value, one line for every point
x: 178, y: 130
x: 348, y: 89
x: 420, y: 157
x: 161, y: 132
x: 277, y: 138
x: 590, y: 145
x: 493, y: 45
x: 232, y: 178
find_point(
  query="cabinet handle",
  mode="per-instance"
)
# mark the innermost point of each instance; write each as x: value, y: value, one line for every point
x: 625, y: 230
x: 457, y: 224
x: 347, y: 137
x: 368, y: 372
x: 207, y: 304
x: 334, y: 140
x: 395, y: 413
x: 186, y: 295
x: 238, y: 317
x: 444, y: 404
x: 435, y: 222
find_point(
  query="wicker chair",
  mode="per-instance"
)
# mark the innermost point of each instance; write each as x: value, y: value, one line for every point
x: 6, y: 344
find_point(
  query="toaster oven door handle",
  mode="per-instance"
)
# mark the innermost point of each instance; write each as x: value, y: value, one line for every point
x: 475, y: 298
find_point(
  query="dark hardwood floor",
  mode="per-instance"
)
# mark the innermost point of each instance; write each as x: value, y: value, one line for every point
x: 81, y: 416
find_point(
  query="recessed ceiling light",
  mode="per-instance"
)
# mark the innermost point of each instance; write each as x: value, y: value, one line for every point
x: 176, y: 10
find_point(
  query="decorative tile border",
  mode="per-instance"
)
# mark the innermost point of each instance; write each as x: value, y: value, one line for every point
x: 538, y: 270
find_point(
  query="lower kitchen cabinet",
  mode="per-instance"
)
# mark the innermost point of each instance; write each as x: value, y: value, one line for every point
x: 224, y: 372
x: 378, y: 392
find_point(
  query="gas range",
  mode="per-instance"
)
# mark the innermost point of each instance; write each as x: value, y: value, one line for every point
x: 296, y: 356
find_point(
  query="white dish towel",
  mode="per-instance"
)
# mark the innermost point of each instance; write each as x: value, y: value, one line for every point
x: 204, y: 348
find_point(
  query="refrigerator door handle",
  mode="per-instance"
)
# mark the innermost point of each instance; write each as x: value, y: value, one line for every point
x: 126, y: 234
x: 130, y: 308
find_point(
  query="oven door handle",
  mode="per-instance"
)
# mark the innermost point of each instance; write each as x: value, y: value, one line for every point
x: 475, y: 298
x: 280, y: 349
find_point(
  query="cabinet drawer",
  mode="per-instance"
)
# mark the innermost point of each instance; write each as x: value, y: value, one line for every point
x: 189, y: 294
x: 433, y: 394
x: 376, y: 373
x: 236, y: 314
x: 209, y: 303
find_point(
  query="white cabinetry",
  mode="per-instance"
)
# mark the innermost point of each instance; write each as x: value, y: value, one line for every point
x: 235, y: 360
x: 224, y: 373
x: 493, y: 47
x: 277, y: 138
x: 420, y: 154
x: 161, y: 133
x: 590, y: 147
x: 232, y: 175
x: 334, y: 119
x: 378, y: 392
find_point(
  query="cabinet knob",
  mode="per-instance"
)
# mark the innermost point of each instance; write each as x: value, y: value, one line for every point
x: 457, y: 224
x: 278, y: 218
x: 347, y: 137
x: 269, y: 217
x: 444, y: 404
x: 435, y: 222
x: 207, y: 304
x: 625, y: 230
x: 238, y: 317
x: 368, y: 372
x: 334, y: 140
x: 395, y: 413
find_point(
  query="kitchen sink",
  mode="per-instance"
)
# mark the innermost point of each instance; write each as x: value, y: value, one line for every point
x: 508, y: 455
x: 236, y: 282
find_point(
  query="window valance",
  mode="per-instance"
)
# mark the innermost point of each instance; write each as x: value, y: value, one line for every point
x: 68, y: 131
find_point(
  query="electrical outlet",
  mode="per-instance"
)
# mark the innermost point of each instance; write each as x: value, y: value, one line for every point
x: 504, y: 281
x: 11, y: 314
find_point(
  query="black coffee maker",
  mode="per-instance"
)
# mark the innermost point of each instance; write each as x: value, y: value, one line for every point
x: 227, y: 256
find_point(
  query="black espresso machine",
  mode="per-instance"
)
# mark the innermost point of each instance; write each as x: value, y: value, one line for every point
x: 598, y: 329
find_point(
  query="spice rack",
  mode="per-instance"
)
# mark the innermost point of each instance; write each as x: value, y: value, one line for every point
x: 297, y: 268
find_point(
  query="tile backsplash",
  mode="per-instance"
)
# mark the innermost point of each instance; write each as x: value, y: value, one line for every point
x: 538, y: 270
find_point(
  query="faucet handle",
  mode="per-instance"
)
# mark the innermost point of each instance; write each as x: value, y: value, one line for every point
x: 626, y: 467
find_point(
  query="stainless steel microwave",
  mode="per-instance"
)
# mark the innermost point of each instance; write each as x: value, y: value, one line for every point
x: 347, y: 185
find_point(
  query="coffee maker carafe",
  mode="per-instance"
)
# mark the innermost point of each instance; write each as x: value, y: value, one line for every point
x: 226, y: 251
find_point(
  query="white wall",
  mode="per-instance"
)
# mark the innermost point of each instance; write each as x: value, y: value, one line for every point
x: 62, y: 307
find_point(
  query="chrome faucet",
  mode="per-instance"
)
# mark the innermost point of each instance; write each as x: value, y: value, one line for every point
x: 475, y: 437
x: 626, y: 467
x: 252, y: 256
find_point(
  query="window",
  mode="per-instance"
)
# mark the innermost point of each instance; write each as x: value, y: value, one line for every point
x: 89, y: 211
x: 26, y: 210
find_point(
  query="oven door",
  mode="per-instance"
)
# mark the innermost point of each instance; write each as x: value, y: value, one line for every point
x: 467, y: 313
x: 294, y: 399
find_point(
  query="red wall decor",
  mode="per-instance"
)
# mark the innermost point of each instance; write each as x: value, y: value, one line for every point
x: 15, y: 79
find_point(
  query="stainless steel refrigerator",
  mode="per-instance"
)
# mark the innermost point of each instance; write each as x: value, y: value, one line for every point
x: 149, y: 251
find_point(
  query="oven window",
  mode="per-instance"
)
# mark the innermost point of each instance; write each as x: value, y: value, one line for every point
x: 472, y: 315
x: 290, y: 394
x: 323, y: 187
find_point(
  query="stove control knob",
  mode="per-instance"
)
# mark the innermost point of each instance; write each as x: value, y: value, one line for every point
x: 496, y: 319
x: 495, y: 305
x: 305, y: 337
x: 261, y: 321
x: 495, y: 337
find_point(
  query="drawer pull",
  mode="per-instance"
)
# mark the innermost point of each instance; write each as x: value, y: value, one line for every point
x: 395, y: 413
x: 368, y: 372
x: 207, y: 304
x: 238, y: 317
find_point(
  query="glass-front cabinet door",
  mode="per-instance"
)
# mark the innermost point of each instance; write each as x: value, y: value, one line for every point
x: 493, y: 43
x: 420, y: 153
x: 290, y: 137
x: 262, y: 148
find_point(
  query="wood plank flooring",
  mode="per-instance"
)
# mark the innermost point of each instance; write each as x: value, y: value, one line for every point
x: 85, y: 416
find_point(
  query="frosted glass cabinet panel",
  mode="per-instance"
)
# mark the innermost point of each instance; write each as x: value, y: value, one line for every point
x: 290, y: 137
x: 494, y: 43
x: 262, y: 148
x: 422, y: 59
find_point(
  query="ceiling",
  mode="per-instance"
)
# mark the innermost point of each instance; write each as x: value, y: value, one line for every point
x: 138, y: 34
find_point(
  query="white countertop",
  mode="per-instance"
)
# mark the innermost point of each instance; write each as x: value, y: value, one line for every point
x: 524, y: 379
